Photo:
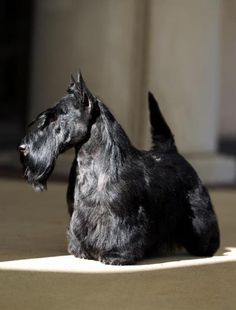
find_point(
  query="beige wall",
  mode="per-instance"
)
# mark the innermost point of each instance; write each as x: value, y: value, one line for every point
x: 127, y: 47
x: 228, y: 70
x: 183, y: 69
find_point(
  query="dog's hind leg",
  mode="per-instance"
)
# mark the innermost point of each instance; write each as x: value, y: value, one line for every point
x: 200, y: 231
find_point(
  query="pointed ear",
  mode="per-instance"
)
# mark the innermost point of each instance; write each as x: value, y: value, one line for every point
x: 80, y: 79
x: 87, y: 97
x: 86, y: 101
x: 80, y: 83
x: 72, y: 88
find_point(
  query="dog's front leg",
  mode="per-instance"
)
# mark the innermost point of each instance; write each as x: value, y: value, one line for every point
x: 74, y: 245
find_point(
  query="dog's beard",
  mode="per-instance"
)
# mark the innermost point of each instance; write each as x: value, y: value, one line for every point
x: 39, y: 187
x: 38, y: 182
x: 37, y: 169
x: 38, y: 178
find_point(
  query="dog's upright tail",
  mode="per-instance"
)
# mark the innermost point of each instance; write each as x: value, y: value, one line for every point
x: 162, y: 137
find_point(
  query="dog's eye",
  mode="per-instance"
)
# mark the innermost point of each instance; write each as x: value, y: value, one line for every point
x: 57, y: 130
x: 62, y: 110
x: 53, y: 118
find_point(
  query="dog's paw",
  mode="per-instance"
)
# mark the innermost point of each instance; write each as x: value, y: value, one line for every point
x: 81, y: 255
x: 77, y: 253
x: 118, y: 261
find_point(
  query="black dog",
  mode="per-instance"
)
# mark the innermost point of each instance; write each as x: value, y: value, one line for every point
x: 124, y: 203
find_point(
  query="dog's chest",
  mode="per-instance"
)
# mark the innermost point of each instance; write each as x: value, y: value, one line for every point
x: 91, y: 181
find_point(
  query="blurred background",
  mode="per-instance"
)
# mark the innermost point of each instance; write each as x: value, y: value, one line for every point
x: 184, y: 51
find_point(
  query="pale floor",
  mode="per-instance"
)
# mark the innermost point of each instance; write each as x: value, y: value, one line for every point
x: 37, y: 273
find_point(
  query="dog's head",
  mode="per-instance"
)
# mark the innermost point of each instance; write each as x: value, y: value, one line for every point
x: 65, y: 125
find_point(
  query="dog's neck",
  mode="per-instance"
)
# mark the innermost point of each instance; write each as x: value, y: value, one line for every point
x: 108, y: 145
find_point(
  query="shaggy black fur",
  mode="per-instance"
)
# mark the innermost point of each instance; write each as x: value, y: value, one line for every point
x: 124, y: 203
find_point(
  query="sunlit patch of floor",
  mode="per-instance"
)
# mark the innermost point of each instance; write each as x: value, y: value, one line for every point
x: 68, y: 263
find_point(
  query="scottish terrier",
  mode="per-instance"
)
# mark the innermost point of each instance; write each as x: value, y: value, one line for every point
x: 124, y: 203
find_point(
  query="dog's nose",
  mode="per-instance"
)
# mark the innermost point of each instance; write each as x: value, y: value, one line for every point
x: 23, y: 149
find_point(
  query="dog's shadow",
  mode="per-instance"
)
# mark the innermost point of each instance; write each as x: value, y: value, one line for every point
x: 183, y: 255
x: 177, y: 256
